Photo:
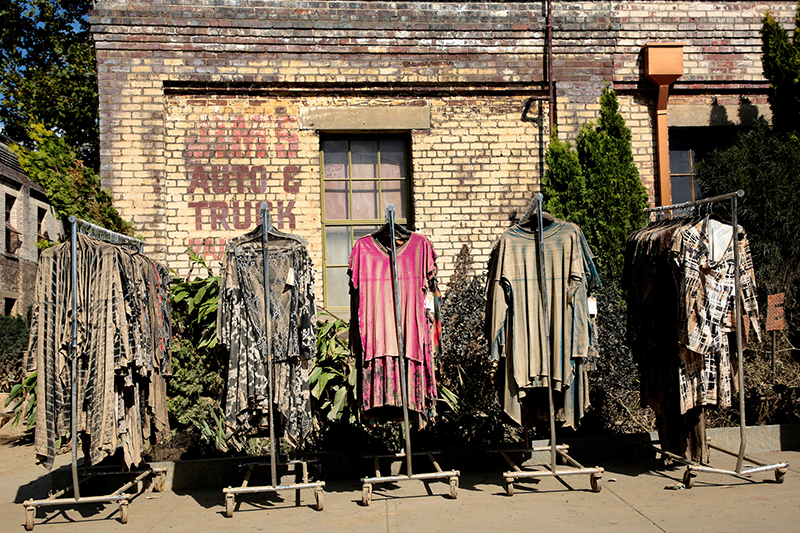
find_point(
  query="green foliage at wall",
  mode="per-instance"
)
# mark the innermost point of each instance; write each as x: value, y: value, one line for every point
x: 14, y: 332
x: 196, y: 387
x: 564, y: 183
x: 71, y: 187
x: 781, y: 64
x: 334, y: 376
x: 766, y: 165
x: 469, y: 411
x: 597, y: 185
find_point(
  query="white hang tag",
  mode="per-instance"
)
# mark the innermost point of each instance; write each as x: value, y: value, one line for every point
x: 592, y: 305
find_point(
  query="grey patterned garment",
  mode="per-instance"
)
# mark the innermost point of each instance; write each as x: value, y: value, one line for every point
x: 123, y: 350
x: 293, y: 327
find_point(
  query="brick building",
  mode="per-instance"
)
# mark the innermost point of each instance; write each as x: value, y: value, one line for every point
x: 28, y: 216
x: 330, y: 110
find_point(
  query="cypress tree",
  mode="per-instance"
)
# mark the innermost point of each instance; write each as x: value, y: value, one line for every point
x: 781, y: 64
x: 597, y: 186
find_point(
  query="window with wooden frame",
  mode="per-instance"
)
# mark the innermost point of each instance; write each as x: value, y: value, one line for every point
x: 361, y: 176
x: 688, y: 146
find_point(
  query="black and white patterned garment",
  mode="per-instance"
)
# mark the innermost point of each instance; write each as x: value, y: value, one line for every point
x: 293, y: 332
x: 123, y: 350
x: 707, y: 302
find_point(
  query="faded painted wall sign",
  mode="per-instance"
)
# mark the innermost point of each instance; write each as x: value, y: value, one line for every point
x: 227, y: 197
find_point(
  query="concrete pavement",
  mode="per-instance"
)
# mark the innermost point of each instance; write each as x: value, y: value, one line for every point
x: 635, y: 497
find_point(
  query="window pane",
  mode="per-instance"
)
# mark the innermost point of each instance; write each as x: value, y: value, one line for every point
x: 334, y: 154
x: 337, y: 287
x: 365, y: 200
x: 336, y: 200
x: 680, y: 162
x: 337, y: 245
x: 393, y: 160
x: 360, y: 231
x: 681, y: 189
x: 394, y: 192
x: 364, y: 155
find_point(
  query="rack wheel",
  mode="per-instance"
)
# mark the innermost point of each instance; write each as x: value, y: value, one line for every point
x: 688, y: 479
x: 319, y: 494
x: 454, y: 487
x: 596, y: 481
x: 230, y: 501
x: 30, y: 515
x: 123, y: 512
x: 779, y: 475
x: 366, y: 494
x: 509, y: 487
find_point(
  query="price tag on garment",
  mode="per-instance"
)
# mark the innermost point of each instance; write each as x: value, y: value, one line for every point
x: 290, y: 278
x: 592, y: 305
x: 775, y: 321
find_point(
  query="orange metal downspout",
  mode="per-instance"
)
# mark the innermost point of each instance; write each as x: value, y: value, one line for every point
x: 663, y: 64
x: 662, y: 147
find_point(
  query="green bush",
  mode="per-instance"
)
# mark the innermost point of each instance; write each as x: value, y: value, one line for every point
x: 195, y: 390
x: 597, y: 186
x: 13, y: 344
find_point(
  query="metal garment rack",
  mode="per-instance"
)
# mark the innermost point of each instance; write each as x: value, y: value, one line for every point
x: 119, y: 496
x: 575, y: 468
x: 266, y: 350
x: 693, y: 467
x: 452, y: 475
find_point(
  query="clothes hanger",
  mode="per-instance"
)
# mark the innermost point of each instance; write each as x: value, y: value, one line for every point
x: 531, y: 221
x: 384, y: 234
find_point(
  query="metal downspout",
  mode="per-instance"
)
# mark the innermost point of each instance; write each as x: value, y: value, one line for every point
x: 551, y: 88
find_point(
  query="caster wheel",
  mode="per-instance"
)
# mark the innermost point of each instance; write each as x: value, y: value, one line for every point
x: 454, y: 487
x: 688, y: 479
x: 30, y: 515
x: 319, y: 494
x: 230, y: 501
x: 596, y: 481
x: 366, y: 495
x: 779, y: 475
x: 509, y: 487
x: 123, y: 513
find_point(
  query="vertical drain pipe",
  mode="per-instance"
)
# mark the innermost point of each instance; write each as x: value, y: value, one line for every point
x: 663, y: 64
x: 551, y: 88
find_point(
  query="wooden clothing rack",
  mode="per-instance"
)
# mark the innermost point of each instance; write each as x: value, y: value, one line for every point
x: 693, y: 467
x: 452, y: 475
x: 119, y: 496
x: 318, y: 486
x: 556, y: 451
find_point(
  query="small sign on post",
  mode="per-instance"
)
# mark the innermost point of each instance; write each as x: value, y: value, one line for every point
x: 775, y: 315
x: 775, y: 320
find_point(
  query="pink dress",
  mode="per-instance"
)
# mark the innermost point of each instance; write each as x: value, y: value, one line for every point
x: 375, y: 330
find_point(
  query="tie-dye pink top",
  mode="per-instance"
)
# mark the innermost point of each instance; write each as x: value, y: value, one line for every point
x: 371, y: 275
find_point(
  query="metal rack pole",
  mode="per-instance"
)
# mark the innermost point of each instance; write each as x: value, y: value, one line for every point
x: 267, y: 348
x: 545, y: 310
x: 596, y: 473
x: 104, y: 234
x: 451, y: 475
x: 693, y: 467
x: 738, y: 317
x: 400, y: 346
x: 74, y: 353
x: 81, y: 226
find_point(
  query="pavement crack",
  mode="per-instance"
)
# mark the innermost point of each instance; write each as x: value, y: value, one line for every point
x: 623, y: 500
